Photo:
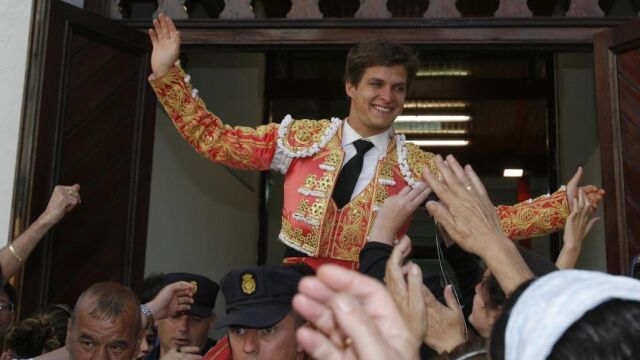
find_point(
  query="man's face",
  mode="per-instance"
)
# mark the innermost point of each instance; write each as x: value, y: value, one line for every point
x: 183, y: 329
x: 482, y: 317
x: 277, y: 342
x: 91, y: 338
x: 7, y: 315
x: 377, y: 99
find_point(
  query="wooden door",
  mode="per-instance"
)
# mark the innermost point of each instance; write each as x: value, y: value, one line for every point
x: 617, y: 68
x: 94, y: 126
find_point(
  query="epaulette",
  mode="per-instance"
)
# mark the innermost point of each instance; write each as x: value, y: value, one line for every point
x: 303, y: 138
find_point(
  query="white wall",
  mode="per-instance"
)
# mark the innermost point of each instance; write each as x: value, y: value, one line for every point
x: 15, y: 21
x: 203, y: 217
x: 578, y: 140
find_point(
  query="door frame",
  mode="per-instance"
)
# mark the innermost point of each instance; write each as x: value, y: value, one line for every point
x: 607, y: 44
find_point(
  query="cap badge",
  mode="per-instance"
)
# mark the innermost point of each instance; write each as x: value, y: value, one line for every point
x: 248, y: 284
x: 194, y: 286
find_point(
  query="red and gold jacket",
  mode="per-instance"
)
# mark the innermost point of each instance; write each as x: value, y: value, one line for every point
x: 221, y: 351
x: 310, y: 154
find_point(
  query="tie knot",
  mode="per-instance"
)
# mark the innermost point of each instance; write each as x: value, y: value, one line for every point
x: 362, y: 146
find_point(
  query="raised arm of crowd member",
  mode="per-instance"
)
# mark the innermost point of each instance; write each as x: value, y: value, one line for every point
x: 469, y: 217
x: 353, y: 317
x: 63, y: 199
x: 407, y: 294
x: 578, y: 225
x: 172, y: 299
x: 393, y: 214
x: 441, y: 327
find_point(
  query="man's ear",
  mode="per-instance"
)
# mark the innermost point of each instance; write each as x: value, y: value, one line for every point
x: 493, y: 316
x: 212, y: 319
x: 350, y: 88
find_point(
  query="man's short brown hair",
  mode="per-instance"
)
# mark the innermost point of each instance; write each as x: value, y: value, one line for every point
x: 379, y: 53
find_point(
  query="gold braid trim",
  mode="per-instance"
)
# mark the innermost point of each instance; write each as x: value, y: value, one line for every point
x: 239, y: 146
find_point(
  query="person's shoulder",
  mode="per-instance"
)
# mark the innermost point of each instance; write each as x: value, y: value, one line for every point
x: 221, y: 351
x: 305, y: 137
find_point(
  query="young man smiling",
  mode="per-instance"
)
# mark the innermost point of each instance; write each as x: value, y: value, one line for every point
x: 337, y: 172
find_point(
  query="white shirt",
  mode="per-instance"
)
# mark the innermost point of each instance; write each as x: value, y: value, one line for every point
x: 281, y: 161
x: 380, y: 144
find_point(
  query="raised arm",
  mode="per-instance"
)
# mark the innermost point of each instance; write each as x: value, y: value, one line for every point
x: 579, y: 223
x: 240, y: 147
x: 466, y: 213
x: 63, y: 199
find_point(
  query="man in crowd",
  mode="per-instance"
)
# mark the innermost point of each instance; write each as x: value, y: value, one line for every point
x: 105, y: 324
x: 187, y: 332
x: 337, y: 172
x: 260, y: 319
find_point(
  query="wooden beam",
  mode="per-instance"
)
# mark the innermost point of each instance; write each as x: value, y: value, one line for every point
x: 456, y: 32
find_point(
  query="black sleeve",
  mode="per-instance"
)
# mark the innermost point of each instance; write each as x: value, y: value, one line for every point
x: 373, y: 259
x: 467, y: 270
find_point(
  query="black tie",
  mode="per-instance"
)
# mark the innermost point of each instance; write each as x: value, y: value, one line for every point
x: 348, y: 177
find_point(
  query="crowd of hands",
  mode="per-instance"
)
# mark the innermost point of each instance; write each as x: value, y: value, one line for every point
x: 354, y: 316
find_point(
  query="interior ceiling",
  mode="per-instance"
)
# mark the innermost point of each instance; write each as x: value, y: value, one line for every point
x: 347, y: 8
x: 508, y: 100
x: 415, y: 8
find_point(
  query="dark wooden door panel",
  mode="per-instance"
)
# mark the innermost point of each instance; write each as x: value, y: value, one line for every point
x: 617, y: 66
x: 95, y: 127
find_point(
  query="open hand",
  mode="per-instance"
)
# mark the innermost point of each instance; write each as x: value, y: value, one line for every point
x: 166, y: 45
x: 396, y: 211
x: 407, y: 294
x: 353, y: 317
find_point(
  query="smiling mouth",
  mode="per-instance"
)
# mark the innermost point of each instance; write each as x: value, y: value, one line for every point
x: 382, y: 109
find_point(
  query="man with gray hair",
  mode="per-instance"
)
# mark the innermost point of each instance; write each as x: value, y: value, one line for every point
x: 108, y: 319
x: 105, y: 324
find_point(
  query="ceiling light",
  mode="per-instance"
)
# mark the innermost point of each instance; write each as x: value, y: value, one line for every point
x: 443, y: 73
x: 433, y: 118
x: 513, y: 173
x: 440, y: 142
x: 435, y: 104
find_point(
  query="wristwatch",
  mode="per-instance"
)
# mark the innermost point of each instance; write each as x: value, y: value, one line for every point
x: 146, y: 312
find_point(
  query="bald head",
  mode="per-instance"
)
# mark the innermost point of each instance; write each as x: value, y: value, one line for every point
x: 105, y: 323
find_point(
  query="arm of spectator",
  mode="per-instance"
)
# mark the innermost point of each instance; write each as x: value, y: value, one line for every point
x: 172, y: 299
x: 63, y: 199
x: 395, y: 212
x: 467, y: 214
x: 353, y: 317
x: 578, y: 225
x: 373, y: 259
x: 407, y: 294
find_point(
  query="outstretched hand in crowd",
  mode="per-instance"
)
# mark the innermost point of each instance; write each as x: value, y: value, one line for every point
x: 395, y: 212
x: 468, y: 216
x: 440, y: 327
x: 353, y: 317
x: 578, y: 225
